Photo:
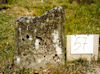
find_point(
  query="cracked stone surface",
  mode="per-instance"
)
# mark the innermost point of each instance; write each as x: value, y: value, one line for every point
x: 40, y: 40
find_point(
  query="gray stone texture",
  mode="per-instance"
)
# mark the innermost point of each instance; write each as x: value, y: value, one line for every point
x: 39, y: 41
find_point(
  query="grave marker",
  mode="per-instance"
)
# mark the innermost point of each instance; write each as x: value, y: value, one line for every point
x: 82, y: 46
x: 39, y: 41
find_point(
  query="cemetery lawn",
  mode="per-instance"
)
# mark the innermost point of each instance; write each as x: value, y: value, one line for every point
x: 79, y: 19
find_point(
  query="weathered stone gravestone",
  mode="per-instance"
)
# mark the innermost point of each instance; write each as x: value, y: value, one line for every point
x: 82, y: 46
x: 40, y: 40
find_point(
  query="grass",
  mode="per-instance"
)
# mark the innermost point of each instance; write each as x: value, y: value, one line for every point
x: 79, y: 19
x: 76, y: 67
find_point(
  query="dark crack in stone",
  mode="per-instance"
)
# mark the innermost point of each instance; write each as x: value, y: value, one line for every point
x: 40, y: 40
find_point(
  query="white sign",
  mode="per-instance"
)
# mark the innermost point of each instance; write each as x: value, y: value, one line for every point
x: 82, y: 44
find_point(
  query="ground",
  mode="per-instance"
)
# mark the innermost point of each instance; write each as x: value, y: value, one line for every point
x: 97, y: 68
x: 79, y: 19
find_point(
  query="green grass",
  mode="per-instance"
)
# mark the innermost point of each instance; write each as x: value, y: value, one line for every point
x: 99, y: 59
x: 79, y: 19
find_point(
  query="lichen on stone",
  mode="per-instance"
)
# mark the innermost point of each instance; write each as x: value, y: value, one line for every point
x: 40, y: 40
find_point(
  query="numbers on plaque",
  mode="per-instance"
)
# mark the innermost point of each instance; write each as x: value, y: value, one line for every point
x: 79, y: 43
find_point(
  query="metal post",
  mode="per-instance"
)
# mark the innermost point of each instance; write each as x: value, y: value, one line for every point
x: 41, y: 1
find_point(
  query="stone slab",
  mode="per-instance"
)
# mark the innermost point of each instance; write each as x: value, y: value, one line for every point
x: 78, y: 54
x: 39, y: 41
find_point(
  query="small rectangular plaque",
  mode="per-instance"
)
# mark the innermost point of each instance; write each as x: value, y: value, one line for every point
x: 82, y: 46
